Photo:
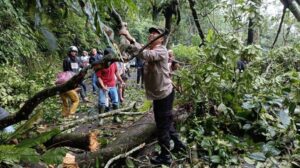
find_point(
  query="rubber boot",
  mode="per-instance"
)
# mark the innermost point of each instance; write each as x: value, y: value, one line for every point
x: 101, y: 110
x: 179, y: 147
x: 116, y: 119
x: 164, y: 158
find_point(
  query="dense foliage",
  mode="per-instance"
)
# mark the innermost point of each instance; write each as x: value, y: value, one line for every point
x: 250, y: 114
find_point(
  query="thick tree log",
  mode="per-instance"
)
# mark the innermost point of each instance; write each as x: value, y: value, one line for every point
x: 86, y: 142
x: 141, y: 131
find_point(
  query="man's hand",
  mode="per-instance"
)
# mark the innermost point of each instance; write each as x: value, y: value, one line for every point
x: 104, y: 88
x: 132, y: 50
x: 123, y: 83
x: 124, y: 32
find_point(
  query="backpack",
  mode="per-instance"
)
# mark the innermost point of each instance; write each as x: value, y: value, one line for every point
x: 63, y: 77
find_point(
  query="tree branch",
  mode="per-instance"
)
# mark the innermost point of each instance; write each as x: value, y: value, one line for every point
x: 196, y: 20
x: 124, y: 155
x: 104, y: 115
x: 280, y: 25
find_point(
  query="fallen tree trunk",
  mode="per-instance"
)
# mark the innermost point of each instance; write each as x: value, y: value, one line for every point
x: 86, y: 142
x: 139, y: 132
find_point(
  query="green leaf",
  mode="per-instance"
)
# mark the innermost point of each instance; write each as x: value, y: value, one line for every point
x: 209, y: 36
x: 249, y: 161
x: 12, y: 154
x: 29, y: 155
x: 233, y: 139
x: 222, y: 108
x: 258, y: 156
x: 129, y: 163
x: 39, y: 139
x: 292, y: 107
x: 54, y: 156
x: 284, y: 118
x: 215, y: 159
x: 270, y: 150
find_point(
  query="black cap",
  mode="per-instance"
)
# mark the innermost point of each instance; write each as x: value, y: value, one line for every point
x: 156, y: 29
x: 108, y: 51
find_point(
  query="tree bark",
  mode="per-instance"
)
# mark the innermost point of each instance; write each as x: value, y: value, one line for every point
x: 86, y: 142
x: 168, y: 23
x: 141, y: 131
x: 250, y: 38
x: 196, y: 20
x: 293, y: 6
x: 155, y: 11
x: 169, y: 10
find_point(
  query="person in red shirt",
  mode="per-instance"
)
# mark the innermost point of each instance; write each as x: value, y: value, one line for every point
x: 107, y: 84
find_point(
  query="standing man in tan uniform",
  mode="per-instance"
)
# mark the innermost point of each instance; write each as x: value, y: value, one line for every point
x: 159, y: 88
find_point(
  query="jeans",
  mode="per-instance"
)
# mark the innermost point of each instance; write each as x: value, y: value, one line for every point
x: 113, y: 95
x: 82, y: 90
x: 94, y: 82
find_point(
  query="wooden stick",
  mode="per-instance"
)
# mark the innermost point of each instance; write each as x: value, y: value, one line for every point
x: 104, y: 115
x: 124, y: 155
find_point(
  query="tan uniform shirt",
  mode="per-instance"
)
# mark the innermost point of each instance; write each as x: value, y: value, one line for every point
x: 157, y: 80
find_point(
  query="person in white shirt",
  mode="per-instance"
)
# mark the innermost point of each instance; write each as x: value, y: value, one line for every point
x: 85, y: 58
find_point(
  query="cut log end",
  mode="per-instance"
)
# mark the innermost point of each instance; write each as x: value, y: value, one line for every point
x: 93, y: 141
x: 69, y: 161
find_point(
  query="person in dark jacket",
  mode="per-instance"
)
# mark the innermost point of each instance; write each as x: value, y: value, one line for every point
x: 241, y: 65
x: 95, y: 56
x: 70, y: 98
x: 74, y: 64
x: 139, y: 71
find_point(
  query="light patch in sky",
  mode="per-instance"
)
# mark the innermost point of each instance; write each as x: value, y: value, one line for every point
x: 271, y: 8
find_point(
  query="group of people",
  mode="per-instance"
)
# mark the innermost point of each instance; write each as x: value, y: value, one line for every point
x: 107, y: 83
x: 153, y: 67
